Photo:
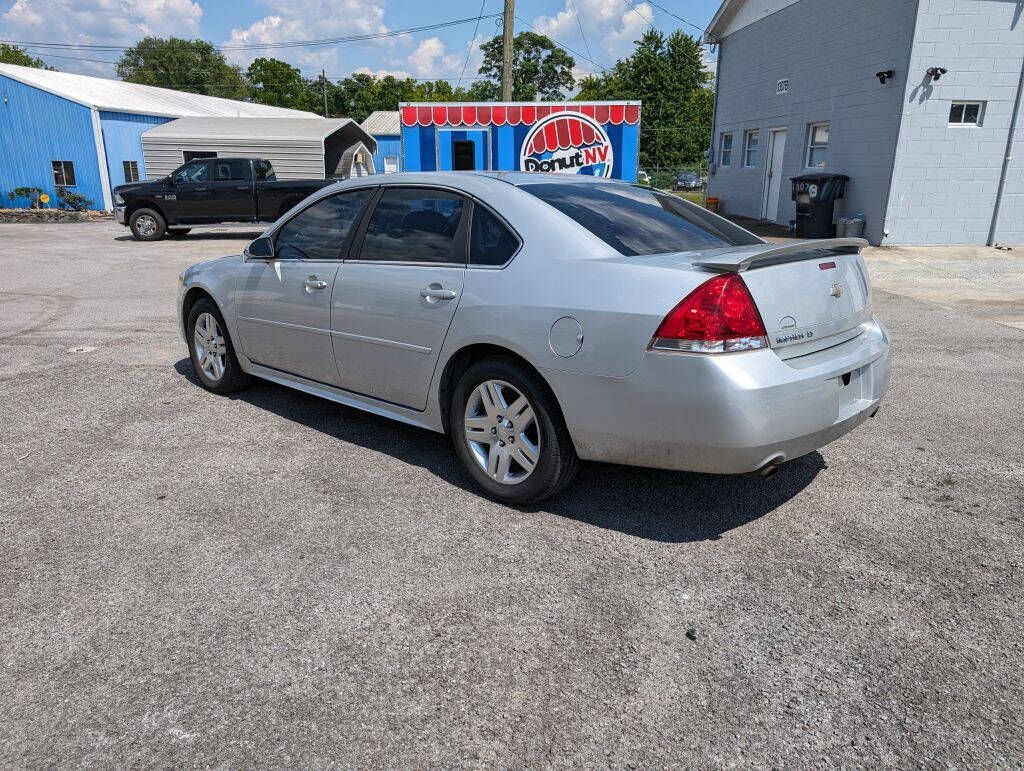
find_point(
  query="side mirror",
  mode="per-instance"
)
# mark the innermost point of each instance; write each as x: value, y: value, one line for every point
x: 261, y: 249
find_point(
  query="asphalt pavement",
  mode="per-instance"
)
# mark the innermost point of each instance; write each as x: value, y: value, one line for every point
x: 271, y: 580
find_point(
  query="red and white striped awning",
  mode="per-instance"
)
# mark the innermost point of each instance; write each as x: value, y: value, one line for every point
x: 562, y: 133
x: 498, y: 114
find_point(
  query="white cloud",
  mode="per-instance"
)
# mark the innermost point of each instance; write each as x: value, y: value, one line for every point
x: 609, y: 29
x: 116, y: 22
x: 382, y: 73
x: 430, y: 59
x: 310, y: 20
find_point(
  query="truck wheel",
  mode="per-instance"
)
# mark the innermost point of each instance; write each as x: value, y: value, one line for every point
x: 147, y: 225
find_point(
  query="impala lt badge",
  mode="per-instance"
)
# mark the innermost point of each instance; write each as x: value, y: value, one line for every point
x: 837, y: 290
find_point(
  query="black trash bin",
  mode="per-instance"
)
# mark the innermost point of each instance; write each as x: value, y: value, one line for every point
x: 815, y: 196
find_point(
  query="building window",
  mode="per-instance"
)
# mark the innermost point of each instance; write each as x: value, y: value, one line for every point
x: 817, y: 145
x: 726, y: 150
x: 63, y: 173
x: 750, y: 142
x: 191, y: 155
x: 965, y: 114
x: 131, y: 171
x: 390, y: 164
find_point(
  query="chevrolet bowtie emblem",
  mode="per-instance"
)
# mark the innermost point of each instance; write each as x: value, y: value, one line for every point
x: 837, y: 290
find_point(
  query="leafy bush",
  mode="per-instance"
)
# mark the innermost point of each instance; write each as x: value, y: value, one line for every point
x: 31, y: 193
x: 72, y: 200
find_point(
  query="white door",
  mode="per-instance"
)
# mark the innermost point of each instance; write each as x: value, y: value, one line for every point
x: 773, y: 182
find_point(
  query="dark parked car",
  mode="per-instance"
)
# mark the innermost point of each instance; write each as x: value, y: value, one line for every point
x: 208, y: 191
x: 688, y: 180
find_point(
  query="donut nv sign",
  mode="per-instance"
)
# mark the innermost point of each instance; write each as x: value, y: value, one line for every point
x: 568, y: 143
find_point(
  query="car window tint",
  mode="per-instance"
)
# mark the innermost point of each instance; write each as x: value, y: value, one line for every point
x: 318, y: 233
x: 194, y: 173
x: 226, y: 171
x: 264, y: 171
x: 491, y: 242
x: 637, y: 220
x: 413, y: 225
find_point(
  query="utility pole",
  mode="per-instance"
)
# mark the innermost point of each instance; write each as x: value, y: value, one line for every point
x: 323, y: 79
x: 508, y: 32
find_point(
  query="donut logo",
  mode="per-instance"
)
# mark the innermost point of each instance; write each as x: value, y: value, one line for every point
x: 567, y: 143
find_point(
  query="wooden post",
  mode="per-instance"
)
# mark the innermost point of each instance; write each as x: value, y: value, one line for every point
x: 508, y: 34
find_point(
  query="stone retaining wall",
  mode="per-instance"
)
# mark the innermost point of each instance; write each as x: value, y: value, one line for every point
x: 52, y: 215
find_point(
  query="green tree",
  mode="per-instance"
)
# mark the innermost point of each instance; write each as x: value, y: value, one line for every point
x: 540, y: 68
x: 668, y: 75
x: 278, y: 83
x: 184, y: 65
x: 13, y: 55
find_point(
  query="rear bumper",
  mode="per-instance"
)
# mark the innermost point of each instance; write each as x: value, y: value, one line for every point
x: 728, y: 413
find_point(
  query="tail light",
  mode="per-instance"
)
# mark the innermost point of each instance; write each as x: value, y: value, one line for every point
x: 719, y: 316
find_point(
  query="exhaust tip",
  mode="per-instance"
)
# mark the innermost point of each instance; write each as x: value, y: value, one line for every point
x: 767, y: 470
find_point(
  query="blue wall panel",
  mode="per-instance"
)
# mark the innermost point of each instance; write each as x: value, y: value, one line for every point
x: 122, y: 140
x: 36, y: 128
x: 387, y: 145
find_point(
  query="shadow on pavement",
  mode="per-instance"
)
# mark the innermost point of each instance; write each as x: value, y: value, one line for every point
x: 200, y: 235
x: 666, y: 506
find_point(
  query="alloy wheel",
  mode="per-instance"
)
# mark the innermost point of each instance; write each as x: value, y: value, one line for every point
x: 502, y: 432
x: 146, y: 225
x: 210, y: 347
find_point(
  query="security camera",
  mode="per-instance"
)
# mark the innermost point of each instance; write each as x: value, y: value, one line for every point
x: 884, y: 76
x: 935, y: 72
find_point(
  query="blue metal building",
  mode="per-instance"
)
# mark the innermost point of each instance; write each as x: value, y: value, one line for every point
x: 85, y: 133
x: 385, y: 127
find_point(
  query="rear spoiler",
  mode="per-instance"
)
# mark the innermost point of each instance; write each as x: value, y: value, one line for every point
x: 742, y: 257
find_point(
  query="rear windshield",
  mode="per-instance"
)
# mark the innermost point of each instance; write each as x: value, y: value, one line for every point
x: 637, y: 220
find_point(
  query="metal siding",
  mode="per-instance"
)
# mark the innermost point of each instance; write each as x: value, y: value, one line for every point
x: 829, y: 50
x: 387, y: 145
x: 36, y: 128
x: 122, y: 138
x: 292, y: 160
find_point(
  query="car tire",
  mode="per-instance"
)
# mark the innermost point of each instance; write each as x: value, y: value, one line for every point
x: 178, y: 232
x: 147, y: 225
x: 497, y: 403
x: 212, y: 353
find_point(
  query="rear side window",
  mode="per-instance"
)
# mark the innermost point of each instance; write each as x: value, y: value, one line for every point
x: 414, y: 225
x: 490, y: 241
x: 636, y: 220
x: 230, y: 171
x: 319, y: 232
x: 264, y: 171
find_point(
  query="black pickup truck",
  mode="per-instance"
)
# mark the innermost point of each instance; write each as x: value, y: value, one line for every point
x: 208, y: 191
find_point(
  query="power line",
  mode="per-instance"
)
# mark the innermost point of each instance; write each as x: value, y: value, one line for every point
x: 637, y: 12
x: 570, y: 50
x: 472, y: 40
x: 579, y: 24
x: 260, y: 46
x: 676, y: 16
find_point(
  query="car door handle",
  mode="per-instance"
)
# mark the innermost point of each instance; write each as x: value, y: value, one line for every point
x: 201, y: 189
x: 314, y: 283
x: 242, y: 187
x: 432, y: 293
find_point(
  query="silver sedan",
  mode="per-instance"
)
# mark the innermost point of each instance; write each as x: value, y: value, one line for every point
x: 544, y: 319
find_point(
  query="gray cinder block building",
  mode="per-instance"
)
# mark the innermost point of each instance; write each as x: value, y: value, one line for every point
x: 914, y: 100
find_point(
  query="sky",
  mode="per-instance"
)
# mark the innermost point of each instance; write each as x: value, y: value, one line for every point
x: 598, y: 31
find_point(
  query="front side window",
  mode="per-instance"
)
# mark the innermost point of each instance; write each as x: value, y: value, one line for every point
x: 230, y: 171
x: 726, y: 150
x: 817, y: 145
x: 490, y: 240
x: 414, y: 225
x: 965, y: 114
x: 637, y: 220
x: 131, y: 171
x: 63, y: 173
x: 193, y: 173
x: 750, y: 142
x: 319, y: 232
